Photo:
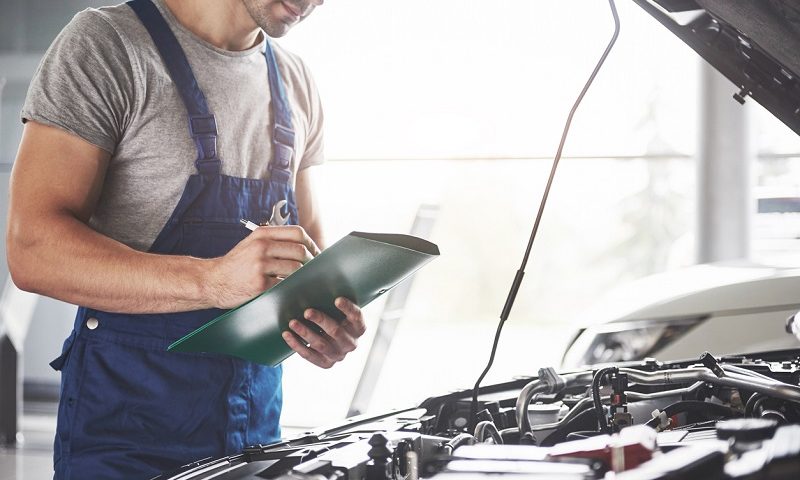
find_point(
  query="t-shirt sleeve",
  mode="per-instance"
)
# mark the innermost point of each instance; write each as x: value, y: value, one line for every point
x: 314, y: 151
x: 84, y: 84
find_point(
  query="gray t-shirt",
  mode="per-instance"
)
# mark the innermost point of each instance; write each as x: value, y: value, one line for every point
x: 103, y: 80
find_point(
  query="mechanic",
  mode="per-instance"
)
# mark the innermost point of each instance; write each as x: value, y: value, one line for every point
x: 151, y: 129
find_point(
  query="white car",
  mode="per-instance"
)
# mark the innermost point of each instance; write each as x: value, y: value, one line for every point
x: 720, y: 308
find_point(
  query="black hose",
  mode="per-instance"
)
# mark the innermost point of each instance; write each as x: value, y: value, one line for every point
x: 459, y: 440
x: 583, y: 421
x: 758, y: 403
x: 602, y: 423
x: 487, y: 426
x: 749, y: 407
x: 693, y: 406
x: 442, y: 415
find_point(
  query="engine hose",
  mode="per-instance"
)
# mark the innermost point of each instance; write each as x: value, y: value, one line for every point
x: 744, y: 371
x: 487, y: 426
x: 749, y: 407
x: 757, y: 405
x: 638, y: 396
x: 694, y: 406
x: 540, y: 386
x: 578, y: 408
x: 602, y: 422
x: 584, y: 421
x: 772, y: 388
x: 459, y: 440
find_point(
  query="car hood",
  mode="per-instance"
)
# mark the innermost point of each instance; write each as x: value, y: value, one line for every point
x: 699, y: 291
x: 754, y: 43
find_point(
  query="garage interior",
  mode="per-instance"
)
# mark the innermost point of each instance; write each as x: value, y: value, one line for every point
x: 449, y: 134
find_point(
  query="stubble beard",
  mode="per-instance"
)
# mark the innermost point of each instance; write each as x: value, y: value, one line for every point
x: 263, y: 13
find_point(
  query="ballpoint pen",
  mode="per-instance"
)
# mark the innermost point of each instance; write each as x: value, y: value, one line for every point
x: 248, y: 224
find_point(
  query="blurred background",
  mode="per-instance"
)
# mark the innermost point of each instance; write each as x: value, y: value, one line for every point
x: 457, y: 107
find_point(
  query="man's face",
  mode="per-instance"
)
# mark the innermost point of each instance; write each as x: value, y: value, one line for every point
x: 276, y: 17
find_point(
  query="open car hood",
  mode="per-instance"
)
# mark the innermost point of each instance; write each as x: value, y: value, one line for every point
x: 754, y: 43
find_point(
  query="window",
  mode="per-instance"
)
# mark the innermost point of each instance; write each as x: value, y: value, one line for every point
x: 461, y: 105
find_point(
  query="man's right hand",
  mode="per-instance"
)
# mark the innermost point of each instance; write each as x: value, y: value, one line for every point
x: 257, y: 263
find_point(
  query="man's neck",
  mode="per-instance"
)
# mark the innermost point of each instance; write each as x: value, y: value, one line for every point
x: 223, y: 23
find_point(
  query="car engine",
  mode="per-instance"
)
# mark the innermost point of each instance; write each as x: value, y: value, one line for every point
x: 730, y: 418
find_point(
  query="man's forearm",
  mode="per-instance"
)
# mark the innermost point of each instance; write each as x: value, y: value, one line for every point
x: 55, y: 186
x: 61, y: 257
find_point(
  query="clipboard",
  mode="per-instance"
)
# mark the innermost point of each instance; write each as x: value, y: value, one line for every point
x: 360, y: 266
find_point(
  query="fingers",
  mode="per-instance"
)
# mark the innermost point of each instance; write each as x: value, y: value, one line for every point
x: 271, y: 248
x: 287, y: 251
x: 317, y: 348
x: 334, y: 340
x: 288, y: 233
x: 354, y: 320
x: 306, y: 352
x: 281, y: 268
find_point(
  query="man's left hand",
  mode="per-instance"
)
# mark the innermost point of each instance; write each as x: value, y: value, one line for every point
x: 338, y: 338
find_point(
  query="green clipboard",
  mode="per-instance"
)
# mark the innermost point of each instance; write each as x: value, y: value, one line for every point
x: 360, y: 266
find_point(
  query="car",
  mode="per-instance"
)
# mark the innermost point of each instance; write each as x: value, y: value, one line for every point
x: 713, y: 306
x: 723, y: 308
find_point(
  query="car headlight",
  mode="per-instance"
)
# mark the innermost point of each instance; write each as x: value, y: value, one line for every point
x: 625, y: 341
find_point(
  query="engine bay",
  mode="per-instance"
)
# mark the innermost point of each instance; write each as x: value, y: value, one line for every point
x: 734, y: 417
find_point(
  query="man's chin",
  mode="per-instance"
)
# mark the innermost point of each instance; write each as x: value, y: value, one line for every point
x: 277, y: 32
x: 272, y: 16
x: 277, y: 28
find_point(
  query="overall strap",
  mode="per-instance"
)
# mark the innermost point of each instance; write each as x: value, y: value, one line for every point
x: 202, y: 123
x: 282, y: 132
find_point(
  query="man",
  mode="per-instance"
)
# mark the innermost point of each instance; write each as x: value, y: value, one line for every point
x: 151, y: 129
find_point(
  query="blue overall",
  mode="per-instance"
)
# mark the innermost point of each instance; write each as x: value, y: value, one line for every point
x: 129, y: 409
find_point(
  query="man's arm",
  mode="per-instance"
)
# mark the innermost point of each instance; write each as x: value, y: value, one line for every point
x: 55, y: 185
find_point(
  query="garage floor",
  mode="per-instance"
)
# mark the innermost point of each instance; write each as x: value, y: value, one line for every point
x: 33, y: 458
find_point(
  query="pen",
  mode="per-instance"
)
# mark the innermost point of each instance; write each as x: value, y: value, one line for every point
x: 248, y: 224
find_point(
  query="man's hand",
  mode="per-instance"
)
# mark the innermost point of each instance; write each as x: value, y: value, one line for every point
x: 257, y: 263
x: 338, y: 338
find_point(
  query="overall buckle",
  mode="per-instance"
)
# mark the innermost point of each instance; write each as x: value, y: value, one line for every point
x: 282, y: 149
x: 203, y: 125
x: 203, y: 129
